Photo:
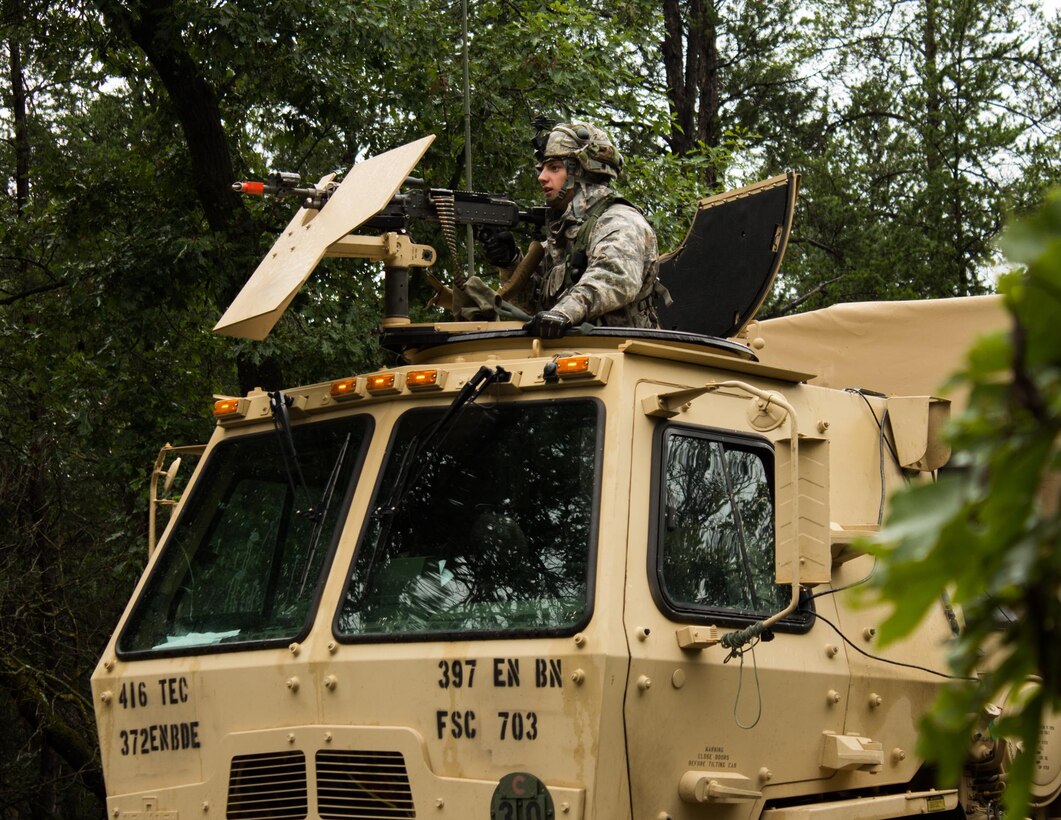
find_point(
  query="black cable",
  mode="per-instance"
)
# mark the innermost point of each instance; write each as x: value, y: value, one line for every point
x: 852, y: 585
x: 740, y: 686
x: 862, y: 651
x: 860, y: 392
x: 880, y: 449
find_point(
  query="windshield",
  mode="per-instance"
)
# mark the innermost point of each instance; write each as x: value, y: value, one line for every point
x: 245, y: 560
x: 491, y: 530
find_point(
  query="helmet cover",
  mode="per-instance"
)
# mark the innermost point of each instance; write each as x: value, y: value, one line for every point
x: 589, y: 146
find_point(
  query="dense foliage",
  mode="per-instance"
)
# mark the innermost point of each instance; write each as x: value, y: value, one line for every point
x: 988, y: 530
x: 916, y: 123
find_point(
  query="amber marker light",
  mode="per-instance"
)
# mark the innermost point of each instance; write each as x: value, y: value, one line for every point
x: 226, y: 407
x: 344, y: 388
x: 572, y: 365
x: 380, y: 382
x: 421, y: 378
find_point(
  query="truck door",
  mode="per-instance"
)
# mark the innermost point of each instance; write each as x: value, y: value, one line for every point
x: 702, y: 723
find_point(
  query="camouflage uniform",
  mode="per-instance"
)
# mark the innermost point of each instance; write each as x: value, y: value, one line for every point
x: 621, y: 265
x: 601, y: 260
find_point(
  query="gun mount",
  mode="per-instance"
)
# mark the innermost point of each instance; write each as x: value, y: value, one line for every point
x: 368, y: 197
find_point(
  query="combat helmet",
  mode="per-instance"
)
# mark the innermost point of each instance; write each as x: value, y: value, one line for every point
x: 587, y: 151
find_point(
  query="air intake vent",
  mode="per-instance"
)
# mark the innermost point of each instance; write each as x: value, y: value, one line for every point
x: 363, y: 785
x: 268, y: 787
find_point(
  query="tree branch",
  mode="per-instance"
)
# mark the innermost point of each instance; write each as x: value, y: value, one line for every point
x: 795, y: 303
x: 25, y: 294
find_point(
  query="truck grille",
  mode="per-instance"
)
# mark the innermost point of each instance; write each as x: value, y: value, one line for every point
x: 268, y: 787
x: 363, y: 785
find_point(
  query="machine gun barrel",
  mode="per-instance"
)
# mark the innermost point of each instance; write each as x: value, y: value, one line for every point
x: 481, y: 210
x: 266, y: 188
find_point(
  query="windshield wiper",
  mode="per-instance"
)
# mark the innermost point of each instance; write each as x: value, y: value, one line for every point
x: 322, y: 507
x: 423, y: 447
x: 278, y: 404
x: 419, y: 453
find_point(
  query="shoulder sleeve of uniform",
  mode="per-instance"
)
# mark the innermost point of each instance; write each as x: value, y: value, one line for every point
x: 630, y: 223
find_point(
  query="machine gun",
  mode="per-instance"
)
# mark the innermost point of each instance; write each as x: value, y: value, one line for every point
x: 370, y: 195
x: 447, y: 207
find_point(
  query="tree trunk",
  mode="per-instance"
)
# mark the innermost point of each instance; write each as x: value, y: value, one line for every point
x: 691, y: 64
x: 942, y: 218
x: 155, y: 28
x: 18, y: 113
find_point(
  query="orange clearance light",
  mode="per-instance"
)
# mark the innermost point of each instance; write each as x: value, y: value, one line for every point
x: 344, y: 388
x: 226, y: 407
x: 421, y: 378
x: 572, y: 365
x: 380, y: 382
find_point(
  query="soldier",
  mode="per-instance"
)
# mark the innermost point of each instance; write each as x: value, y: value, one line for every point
x: 600, y: 262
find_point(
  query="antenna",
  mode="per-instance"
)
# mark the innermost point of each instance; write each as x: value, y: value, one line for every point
x: 467, y: 130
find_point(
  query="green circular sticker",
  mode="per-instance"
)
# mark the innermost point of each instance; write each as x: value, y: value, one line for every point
x: 521, y: 796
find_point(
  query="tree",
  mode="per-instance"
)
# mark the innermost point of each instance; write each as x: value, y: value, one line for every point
x: 939, y: 117
x: 987, y: 532
x: 732, y: 75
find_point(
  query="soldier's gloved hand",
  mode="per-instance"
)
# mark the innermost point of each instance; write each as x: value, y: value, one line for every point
x: 548, y: 324
x: 500, y: 247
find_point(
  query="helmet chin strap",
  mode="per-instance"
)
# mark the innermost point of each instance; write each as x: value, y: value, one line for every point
x: 574, y: 172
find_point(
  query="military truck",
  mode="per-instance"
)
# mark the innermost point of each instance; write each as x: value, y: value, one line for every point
x: 595, y: 577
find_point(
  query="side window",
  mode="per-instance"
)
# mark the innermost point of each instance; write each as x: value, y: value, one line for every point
x: 714, y: 550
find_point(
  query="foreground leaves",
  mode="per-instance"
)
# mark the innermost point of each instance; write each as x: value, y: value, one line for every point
x: 987, y: 532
